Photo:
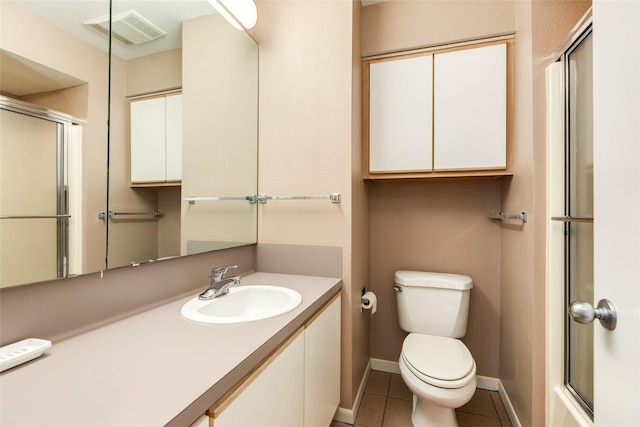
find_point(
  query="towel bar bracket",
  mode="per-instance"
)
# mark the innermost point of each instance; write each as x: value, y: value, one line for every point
x: 522, y: 216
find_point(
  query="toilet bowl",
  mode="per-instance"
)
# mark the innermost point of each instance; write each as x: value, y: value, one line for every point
x: 434, y: 364
x: 441, y: 374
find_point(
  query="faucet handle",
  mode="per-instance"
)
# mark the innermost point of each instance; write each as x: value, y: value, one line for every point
x: 218, y: 273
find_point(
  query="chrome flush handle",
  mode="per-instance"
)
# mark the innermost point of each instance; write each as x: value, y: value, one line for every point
x: 583, y: 312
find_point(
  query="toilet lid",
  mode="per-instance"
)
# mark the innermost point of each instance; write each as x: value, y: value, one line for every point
x: 437, y: 358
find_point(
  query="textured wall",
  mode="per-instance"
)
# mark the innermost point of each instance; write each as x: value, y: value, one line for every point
x: 309, y: 137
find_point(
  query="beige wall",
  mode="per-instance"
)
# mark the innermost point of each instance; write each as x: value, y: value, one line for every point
x: 360, y: 235
x: 517, y: 309
x: 220, y: 131
x: 436, y: 226
x: 72, y: 100
x: 408, y: 24
x: 541, y: 28
x: 443, y: 227
x: 309, y: 102
x: 153, y: 73
x: 86, y: 63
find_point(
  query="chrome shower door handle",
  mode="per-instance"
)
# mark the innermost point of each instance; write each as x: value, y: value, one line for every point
x: 583, y: 312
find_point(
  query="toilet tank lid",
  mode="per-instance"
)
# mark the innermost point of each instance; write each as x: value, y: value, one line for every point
x: 433, y: 280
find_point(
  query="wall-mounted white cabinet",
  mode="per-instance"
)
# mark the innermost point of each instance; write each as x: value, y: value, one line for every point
x: 400, y: 114
x: 470, y: 114
x: 438, y: 113
x: 299, y: 385
x: 156, y: 140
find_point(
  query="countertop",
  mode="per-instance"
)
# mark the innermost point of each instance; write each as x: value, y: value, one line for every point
x: 151, y: 369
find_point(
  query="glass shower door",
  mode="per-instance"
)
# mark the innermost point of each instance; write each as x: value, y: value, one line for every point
x: 32, y: 199
x: 579, y: 247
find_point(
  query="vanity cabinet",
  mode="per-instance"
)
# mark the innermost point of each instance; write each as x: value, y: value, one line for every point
x: 156, y: 141
x: 322, y: 366
x: 273, y: 396
x: 203, y: 421
x: 439, y: 113
x: 298, y: 385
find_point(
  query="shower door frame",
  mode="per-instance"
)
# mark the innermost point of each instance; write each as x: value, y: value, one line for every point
x: 63, y: 122
x: 584, y: 398
x: 564, y: 407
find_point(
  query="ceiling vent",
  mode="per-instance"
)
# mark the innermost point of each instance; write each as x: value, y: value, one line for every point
x: 128, y: 27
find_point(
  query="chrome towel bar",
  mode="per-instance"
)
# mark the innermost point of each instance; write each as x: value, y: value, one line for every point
x: 571, y: 219
x: 34, y: 216
x: 334, y: 197
x: 193, y: 199
x: 113, y: 214
x: 262, y: 198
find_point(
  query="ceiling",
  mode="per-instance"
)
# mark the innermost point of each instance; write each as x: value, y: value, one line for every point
x: 24, y: 77
x: 20, y: 76
x: 165, y: 14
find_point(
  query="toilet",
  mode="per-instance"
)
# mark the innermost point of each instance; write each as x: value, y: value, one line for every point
x: 435, y: 365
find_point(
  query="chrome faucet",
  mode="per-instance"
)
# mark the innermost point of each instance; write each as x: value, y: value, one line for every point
x: 218, y: 283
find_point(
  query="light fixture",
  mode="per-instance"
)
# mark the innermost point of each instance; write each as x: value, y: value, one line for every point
x: 129, y: 27
x: 242, y: 14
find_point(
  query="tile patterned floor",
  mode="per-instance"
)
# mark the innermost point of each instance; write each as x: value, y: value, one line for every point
x: 387, y: 403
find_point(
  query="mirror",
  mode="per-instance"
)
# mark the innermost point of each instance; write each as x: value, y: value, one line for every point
x: 47, y: 69
x: 213, y: 66
x: 212, y: 77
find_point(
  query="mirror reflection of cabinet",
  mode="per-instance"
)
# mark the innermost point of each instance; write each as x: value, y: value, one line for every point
x: 156, y: 141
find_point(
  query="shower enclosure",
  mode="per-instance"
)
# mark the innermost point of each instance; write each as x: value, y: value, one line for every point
x: 36, y: 224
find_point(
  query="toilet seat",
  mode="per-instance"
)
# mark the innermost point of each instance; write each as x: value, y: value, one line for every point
x: 440, y: 361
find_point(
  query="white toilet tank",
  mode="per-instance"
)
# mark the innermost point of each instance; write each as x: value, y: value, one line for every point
x: 433, y: 303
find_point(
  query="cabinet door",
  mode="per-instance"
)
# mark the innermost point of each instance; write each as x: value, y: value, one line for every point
x: 274, y: 398
x: 322, y: 367
x: 470, y: 113
x: 148, y: 138
x: 203, y: 421
x: 400, y: 115
x: 174, y: 137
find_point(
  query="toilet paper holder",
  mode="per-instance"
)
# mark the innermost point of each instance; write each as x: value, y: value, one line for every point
x: 369, y: 301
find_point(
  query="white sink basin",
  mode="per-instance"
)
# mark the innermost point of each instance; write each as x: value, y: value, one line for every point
x: 245, y: 303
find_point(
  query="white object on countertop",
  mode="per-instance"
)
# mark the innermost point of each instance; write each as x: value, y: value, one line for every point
x: 22, y: 351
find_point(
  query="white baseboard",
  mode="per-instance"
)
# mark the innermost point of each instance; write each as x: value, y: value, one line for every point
x: 488, y: 383
x: 385, y: 366
x: 485, y: 383
x: 348, y: 416
x: 508, y: 406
